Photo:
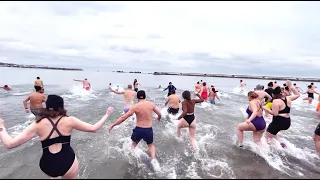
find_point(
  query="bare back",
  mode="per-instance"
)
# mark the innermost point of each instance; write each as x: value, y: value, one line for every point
x: 212, y: 95
x: 174, y: 101
x: 262, y: 94
x: 129, y: 96
x: 36, y: 100
x: 143, y: 110
x: 38, y: 82
x: 86, y: 83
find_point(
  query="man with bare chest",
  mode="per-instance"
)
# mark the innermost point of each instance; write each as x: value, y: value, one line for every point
x: 36, y: 99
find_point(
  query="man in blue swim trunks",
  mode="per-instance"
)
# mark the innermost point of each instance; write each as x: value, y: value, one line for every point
x: 143, y: 130
x: 128, y: 95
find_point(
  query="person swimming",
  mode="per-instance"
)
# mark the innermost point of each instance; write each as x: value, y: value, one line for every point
x: 281, y: 106
x: 54, y: 131
x: 187, y: 118
x: 254, y: 121
x: 6, y: 88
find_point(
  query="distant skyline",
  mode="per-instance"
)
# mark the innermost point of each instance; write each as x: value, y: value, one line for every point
x: 254, y: 38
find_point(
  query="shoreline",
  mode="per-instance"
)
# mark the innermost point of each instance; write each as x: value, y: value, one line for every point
x: 12, y: 65
x: 238, y: 76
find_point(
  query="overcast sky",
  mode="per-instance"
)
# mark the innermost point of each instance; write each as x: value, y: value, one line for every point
x: 271, y: 38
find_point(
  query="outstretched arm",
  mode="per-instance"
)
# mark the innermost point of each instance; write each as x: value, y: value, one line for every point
x: 23, y: 137
x: 83, y: 126
x: 166, y: 88
x: 122, y: 118
x: 77, y: 80
x: 198, y: 100
x: 117, y: 92
x: 157, y: 111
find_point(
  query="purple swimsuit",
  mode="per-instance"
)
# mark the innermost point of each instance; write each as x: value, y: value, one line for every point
x: 258, y: 122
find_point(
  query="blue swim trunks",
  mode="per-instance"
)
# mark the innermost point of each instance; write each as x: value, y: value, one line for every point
x: 142, y: 133
x: 126, y: 108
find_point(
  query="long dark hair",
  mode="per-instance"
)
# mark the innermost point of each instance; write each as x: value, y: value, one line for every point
x: 44, y: 113
x: 186, y: 95
x: 277, y: 93
x: 134, y: 82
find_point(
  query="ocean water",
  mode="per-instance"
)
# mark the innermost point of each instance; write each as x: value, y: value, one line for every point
x: 107, y: 155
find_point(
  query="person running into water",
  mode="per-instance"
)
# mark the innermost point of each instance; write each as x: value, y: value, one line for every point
x: 197, y: 88
x: 85, y: 83
x: 310, y: 93
x: 128, y: 96
x: 135, y: 85
x: 204, y: 91
x: 313, y: 86
x: 254, y: 121
x: 316, y: 139
x: 187, y: 118
x: 174, y: 102
x: 262, y: 94
x: 170, y: 88
x: 318, y: 106
x: 213, y: 95
x: 38, y: 82
x: 36, y: 99
x: 281, y: 106
x: 54, y: 131
x: 242, y: 84
x: 298, y: 88
x: 143, y: 130
x: 268, y: 104
x: 6, y: 88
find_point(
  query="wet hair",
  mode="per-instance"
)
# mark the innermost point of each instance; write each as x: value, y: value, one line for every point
x: 252, y: 95
x: 129, y: 86
x: 186, y: 95
x: 270, y: 84
x: 134, y: 82
x: 5, y: 86
x: 141, y: 94
x: 277, y: 93
x: 37, y: 88
x: 204, y: 83
x: 173, y: 91
x: 310, y: 86
x: 38, y: 77
x: 54, y: 108
x: 311, y: 83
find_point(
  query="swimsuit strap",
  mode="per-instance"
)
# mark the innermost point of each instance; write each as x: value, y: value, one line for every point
x: 54, y: 127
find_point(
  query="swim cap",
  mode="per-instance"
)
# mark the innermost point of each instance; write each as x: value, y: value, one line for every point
x: 141, y: 94
x: 54, y: 102
x: 258, y: 87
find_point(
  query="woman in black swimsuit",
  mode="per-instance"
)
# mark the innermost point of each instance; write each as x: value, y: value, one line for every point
x: 310, y: 91
x: 187, y: 118
x: 58, y: 158
x: 281, y: 106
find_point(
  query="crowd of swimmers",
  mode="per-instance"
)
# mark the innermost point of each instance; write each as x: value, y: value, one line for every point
x: 54, y: 127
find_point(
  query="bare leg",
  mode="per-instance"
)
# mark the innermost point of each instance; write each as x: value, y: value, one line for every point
x: 73, y: 171
x: 182, y: 124
x: 133, y: 145
x: 316, y: 139
x: 192, y: 134
x: 257, y: 136
x: 243, y: 127
x: 151, y: 151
